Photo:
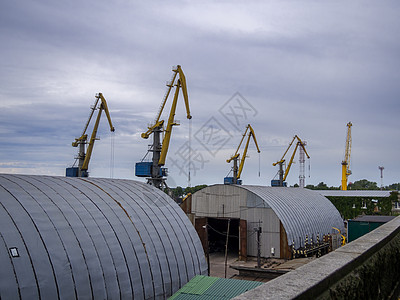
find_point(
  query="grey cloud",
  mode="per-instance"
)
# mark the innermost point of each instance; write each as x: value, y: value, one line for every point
x: 308, y: 68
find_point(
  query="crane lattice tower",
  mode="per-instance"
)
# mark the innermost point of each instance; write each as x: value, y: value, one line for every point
x: 302, y: 160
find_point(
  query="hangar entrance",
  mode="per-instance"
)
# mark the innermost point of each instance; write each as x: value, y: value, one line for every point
x: 222, y: 233
x: 217, y: 233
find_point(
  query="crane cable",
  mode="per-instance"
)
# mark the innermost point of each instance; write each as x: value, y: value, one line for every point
x: 112, y: 155
x: 190, y: 151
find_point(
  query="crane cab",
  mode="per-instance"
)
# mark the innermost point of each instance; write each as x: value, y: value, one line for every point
x: 74, y: 172
x: 229, y: 180
x: 276, y: 182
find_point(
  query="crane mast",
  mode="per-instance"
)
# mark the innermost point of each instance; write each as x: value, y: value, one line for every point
x: 85, y: 156
x: 154, y: 170
x: 283, y: 174
x: 346, y: 172
x: 237, y: 170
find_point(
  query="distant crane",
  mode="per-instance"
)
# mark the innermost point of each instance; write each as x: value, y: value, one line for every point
x: 237, y: 171
x: 84, y: 156
x: 346, y: 172
x: 283, y: 174
x: 154, y: 170
x: 381, y: 169
x: 302, y: 160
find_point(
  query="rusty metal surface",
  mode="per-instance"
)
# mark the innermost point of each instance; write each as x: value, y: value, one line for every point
x: 92, y: 238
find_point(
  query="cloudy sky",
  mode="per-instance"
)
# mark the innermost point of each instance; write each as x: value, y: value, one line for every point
x: 285, y: 67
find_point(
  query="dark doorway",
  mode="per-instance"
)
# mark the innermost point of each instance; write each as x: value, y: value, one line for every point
x: 213, y: 236
x: 217, y: 235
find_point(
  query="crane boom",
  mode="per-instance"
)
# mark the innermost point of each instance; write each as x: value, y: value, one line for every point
x: 181, y: 84
x: 103, y: 107
x: 84, y: 158
x: 346, y: 172
x: 301, y: 144
x: 153, y: 170
x: 283, y: 175
x: 237, y: 171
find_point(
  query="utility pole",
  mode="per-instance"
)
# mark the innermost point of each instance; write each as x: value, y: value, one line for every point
x: 381, y: 169
x: 226, y: 247
x: 259, y: 231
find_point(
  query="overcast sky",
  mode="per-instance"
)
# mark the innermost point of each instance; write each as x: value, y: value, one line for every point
x: 285, y: 67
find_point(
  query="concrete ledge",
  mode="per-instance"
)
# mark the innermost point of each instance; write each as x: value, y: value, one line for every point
x: 367, y: 268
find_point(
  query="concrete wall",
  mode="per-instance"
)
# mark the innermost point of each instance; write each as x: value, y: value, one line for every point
x: 367, y: 268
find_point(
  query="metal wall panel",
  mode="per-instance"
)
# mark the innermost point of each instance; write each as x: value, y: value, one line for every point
x: 302, y: 212
x: 219, y: 201
x: 269, y: 222
x: 88, y: 238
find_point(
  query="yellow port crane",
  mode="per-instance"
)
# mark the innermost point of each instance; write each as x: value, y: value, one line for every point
x: 346, y: 172
x: 153, y: 170
x: 237, y: 171
x: 283, y: 175
x: 84, y: 158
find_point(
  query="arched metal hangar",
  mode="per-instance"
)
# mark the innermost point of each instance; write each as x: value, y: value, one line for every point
x: 89, y: 238
x: 284, y: 216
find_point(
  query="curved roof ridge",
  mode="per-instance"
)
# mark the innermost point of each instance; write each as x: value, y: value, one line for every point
x: 301, y: 211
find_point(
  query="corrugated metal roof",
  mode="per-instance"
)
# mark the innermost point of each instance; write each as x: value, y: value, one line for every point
x: 377, y: 219
x: 92, y: 238
x: 353, y: 193
x: 212, y: 288
x: 301, y: 211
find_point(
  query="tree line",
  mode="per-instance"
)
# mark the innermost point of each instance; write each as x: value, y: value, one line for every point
x: 362, y: 184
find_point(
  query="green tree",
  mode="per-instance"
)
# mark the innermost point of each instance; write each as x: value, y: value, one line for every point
x: 393, y: 186
x: 177, y: 192
x: 322, y: 186
x: 363, y: 184
x: 194, y: 189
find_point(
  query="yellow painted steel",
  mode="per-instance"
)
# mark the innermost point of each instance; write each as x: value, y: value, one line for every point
x: 346, y: 172
x: 237, y: 154
x: 180, y: 85
x: 343, y: 237
x: 282, y: 160
x: 186, y: 197
x: 103, y: 107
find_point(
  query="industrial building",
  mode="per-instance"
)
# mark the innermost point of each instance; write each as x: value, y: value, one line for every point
x: 364, y: 224
x: 272, y: 220
x: 91, y: 238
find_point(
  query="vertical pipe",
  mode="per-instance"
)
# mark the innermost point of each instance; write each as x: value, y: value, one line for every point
x: 207, y: 248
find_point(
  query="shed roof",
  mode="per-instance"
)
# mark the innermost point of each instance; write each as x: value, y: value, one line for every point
x: 301, y: 211
x: 373, y: 219
x: 354, y: 193
x: 207, y: 288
